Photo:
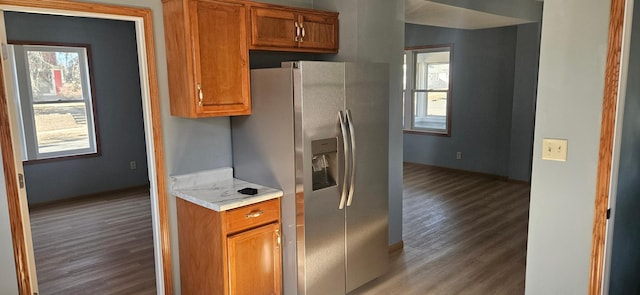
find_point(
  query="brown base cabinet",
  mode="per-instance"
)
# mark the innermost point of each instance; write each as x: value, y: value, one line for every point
x: 230, y: 252
x: 250, y: 272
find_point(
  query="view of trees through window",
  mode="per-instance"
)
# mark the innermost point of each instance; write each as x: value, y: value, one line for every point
x: 58, y: 104
x: 55, y: 76
x: 58, y: 108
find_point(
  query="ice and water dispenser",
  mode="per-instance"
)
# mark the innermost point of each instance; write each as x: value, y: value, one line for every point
x: 324, y: 162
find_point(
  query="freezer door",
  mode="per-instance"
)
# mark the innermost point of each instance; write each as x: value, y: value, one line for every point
x: 367, y: 101
x: 318, y: 98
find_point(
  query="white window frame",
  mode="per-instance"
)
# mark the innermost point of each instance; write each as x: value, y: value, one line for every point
x: 410, y: 91
x: 24, y: 103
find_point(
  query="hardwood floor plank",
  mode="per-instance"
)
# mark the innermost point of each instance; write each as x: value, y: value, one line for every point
x: 98, y: 245
x: 463, y: 234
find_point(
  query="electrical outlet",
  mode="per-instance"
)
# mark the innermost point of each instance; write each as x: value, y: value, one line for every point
x: 458, y: 155
x: 554, y: 149
x: 133, y: 165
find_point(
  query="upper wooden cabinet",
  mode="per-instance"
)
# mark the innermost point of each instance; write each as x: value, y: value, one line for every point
x: 207, y: 57
x: 208, y: 44
x: 292, y: 29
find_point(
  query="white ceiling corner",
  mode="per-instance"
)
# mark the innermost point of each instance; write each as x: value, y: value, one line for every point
x: 424, y: 12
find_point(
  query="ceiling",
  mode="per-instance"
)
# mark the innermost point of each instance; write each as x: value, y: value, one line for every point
x: 429, y: 13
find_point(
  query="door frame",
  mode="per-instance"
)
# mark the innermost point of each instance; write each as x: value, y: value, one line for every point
x: 619, y: 38
x: 142, y: 17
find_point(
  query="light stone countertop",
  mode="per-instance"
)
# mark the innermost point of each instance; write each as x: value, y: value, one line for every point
x: 218, y: 190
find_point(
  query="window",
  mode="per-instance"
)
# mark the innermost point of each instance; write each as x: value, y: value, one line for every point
x: 54, y: 100
x: 427, y: 92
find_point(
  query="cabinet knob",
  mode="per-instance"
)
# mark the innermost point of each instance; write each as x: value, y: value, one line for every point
x: 303, y: 32
x: 254, y: 214
x: 278, y: 237
x: 297, y: 37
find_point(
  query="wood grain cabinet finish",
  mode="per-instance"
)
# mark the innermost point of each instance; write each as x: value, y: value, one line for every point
x: 254, y: 261
x: 207, y: 57
x: 290, y: 29
x: 230, y: 252
x: 208, y: 43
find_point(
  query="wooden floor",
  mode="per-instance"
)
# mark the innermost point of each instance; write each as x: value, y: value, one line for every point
x: 100, y: 245
x: 463, y: 234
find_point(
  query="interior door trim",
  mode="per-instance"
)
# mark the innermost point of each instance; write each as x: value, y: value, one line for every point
x: 13, y: 195
x: 607, y: 132
x: 142, y: 17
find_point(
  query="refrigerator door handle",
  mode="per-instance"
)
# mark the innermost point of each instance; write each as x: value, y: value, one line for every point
x: 352, y: 135
x: 345, y: 143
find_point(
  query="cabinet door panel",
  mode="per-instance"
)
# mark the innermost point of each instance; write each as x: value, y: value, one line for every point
x: 255, y: 261
x: 273, y: 27
x: 221, y: 55
x: 320, y: 31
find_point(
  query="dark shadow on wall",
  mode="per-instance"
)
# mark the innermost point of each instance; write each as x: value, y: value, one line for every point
x: 118, y: 105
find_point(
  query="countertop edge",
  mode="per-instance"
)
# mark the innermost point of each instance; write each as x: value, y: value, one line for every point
x: 224, y: 207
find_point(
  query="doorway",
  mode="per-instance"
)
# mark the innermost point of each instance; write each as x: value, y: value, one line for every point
x: 486, y: 75
x: 77, y: 89
x: 13, y: 170
x: 622, y: 257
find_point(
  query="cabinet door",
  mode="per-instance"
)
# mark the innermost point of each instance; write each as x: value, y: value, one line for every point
x: 221, y: 58
x: 319, y: 31
x: 273, y: 28
x: 255, y: 261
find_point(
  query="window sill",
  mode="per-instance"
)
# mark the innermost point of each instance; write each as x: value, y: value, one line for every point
x: 61, y: 158
x: 426, y: 132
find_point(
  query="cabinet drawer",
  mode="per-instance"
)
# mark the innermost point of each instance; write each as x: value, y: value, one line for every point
x: 252, y: 215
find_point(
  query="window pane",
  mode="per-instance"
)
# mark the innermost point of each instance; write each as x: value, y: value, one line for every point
x: 59, y: 100
x: 430, y: 111
x: 432, y: 70
x: 61, y: 126
x: 438, y: 77
x: 55, y: 76
x: 437, y: 104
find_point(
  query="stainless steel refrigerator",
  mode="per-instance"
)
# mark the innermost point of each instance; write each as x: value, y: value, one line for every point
x: 319, y: 131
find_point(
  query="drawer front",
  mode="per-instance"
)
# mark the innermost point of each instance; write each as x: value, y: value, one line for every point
x: 252, y: 215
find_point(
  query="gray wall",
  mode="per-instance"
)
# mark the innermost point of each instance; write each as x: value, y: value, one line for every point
x: 523, y: 113
x: 373, y: 31
x: 117, y: 102
x: 494, y: 78
x: 624, y: 275
x: 270, y: 59
x: 570, y: 90
x: 482, y: 96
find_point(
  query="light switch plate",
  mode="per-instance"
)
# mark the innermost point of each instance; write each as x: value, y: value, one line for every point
x: 554, y: 149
